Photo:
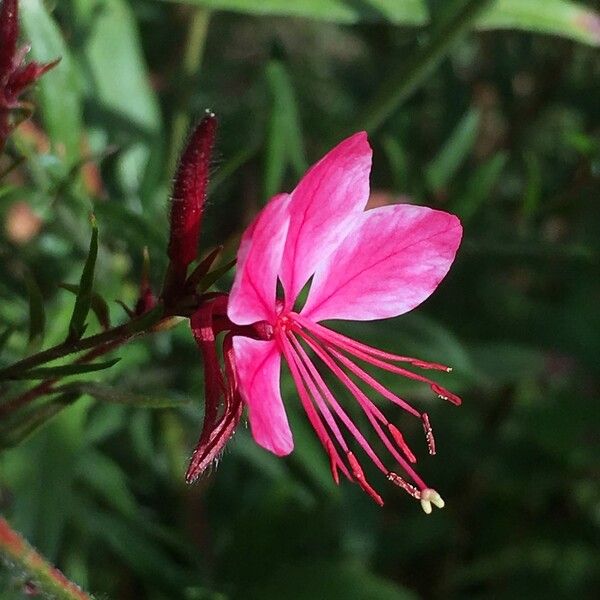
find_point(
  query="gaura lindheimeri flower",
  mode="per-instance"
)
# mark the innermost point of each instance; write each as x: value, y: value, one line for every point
x: 362, y: 265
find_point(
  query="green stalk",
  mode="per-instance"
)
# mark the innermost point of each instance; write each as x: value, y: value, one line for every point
x: 192, y: 59
x: 402, y: 84
x: 43, y: 578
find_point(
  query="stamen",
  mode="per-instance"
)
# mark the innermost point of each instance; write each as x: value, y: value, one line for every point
x: 332, y: 462
x: 407, y: 487
x: 341, y: 340
x: 358, y: 436
x: 360, y: 373
x: 363, y: 401
x: 361, y: 480
x: 292, y: 360
x: 428, y: 433
x: 429, y: 497
x: 399, y: 439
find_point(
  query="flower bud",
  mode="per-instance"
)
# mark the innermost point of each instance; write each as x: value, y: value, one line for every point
x: 189, y: 193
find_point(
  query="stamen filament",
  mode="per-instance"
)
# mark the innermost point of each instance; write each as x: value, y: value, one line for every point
x: 311, y: 413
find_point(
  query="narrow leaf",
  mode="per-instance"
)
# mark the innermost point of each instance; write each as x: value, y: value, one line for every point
x: 60, y: 98
x: 108, y: 393
x: 37, y: 316
x: 480, y: 187
x: 83, y: 301
x: 556, y: 17
x: 211, y: 278
x: 442, y: 168
x: 5, y: 336
x: 98, y: 304
x: 16, y: 428
x: 64, y: 370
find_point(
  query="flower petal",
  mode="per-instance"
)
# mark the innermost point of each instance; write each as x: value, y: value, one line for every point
x: 258, y: 366
x: 324, y: 203
x: 391, y: 262
x: 252, y: 296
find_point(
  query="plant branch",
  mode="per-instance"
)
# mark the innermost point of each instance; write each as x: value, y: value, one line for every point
x: 402, y: 84
x: 120, y: 334
x: 44, y: 577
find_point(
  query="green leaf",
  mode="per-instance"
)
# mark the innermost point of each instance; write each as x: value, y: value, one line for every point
x: 107, y: 393
x: 328, y: 579
x: 442, y: 168
x: 211, y: 278
x: 98, y: 304
x: 480, y: 187
x: 58, y: 92
x: 557, y: 17
x: 284, y: 144
x: 5, y: 337
x: 83, y: 301
x: 37, y: 316
x: 16, y: 428
x: 65, y: 370
x: 405, y: 12
x: 398, y: 160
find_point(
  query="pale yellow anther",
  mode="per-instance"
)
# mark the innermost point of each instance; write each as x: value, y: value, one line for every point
x: 429, y: 497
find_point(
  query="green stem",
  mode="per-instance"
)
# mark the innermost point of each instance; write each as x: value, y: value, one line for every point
x: 121, y: 333
x: 45, y: 578
x: 402, y: 84
x: 192, y: 59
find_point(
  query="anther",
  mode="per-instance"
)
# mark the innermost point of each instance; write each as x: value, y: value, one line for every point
x: 360, y: 479
x: 401, y: 483
x: 429, y: 497
x: 332, y: 462
x: 399, y: 439
x: 428, y: 433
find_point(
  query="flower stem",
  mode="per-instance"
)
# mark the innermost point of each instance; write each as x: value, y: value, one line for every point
x: 45, y: 578
x: 121, y: 333
x: 402, y: 84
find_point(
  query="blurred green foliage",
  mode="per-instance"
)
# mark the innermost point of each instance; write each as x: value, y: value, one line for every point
x: 506, y: 133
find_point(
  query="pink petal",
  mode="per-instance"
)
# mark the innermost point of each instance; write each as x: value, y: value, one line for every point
x: 393, y: 260
x: 252, y: 296
x: 323, y: 205
x: 258, y: 368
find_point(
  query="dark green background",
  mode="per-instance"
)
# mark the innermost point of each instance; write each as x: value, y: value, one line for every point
x: 504, y: 133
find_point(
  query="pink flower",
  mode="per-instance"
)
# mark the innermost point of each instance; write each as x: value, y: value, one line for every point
x: 364, y: 265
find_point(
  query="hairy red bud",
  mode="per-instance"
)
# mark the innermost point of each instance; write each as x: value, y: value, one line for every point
x: 189, y: 193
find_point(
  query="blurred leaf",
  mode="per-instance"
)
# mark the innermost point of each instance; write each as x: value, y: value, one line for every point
x: 328, y: 579
x: 479, y: 187
x: 83, y: 301
x: 533, y: 186
x: 17, y: 428
x: 560, y: 17
x: 285, y: 144
x: 98, y: 304
x: 442, y: 168
x: 5, y: 337
x: 120, y: 85
x: 58, y: 90
x: 106, y: 479
x: 107, y: 393
x: 398, y: 160
x: 65, y: 370
x: 37, y: 316
x: 410, y: 12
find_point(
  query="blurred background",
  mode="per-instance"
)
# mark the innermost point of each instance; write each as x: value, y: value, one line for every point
x: 488, y: 110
